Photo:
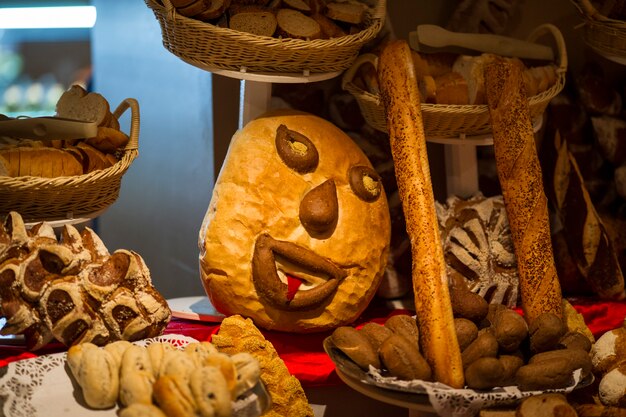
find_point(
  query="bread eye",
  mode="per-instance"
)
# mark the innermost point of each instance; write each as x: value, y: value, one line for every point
x: 296, y: 150
x: 365, y: 183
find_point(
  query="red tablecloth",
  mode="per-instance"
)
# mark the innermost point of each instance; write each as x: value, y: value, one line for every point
x: 304, y: 355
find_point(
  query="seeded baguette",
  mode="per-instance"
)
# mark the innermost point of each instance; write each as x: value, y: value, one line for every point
x: 521, y: 180
x: 435, y: 319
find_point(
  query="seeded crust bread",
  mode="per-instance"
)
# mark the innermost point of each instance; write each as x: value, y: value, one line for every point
x: 433, y: 307
x: 521, y: 180
x: 237, y: 335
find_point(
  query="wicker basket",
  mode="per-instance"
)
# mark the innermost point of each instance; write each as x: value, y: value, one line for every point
x: 455, y: 121
x: 605, y: 35
x: 64, y: 198
x: 211, y: 48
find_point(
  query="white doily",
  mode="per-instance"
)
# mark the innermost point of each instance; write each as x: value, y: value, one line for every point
x: 42, y: 386
x: 453, y: 402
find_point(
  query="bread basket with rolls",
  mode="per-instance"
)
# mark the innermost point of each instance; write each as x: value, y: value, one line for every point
x: 211, y: 43
x: 52, y: 190
x: 455, y: 120
x: 605, y: 29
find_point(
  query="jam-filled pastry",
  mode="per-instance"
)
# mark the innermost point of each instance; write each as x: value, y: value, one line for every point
x: 96, y: 372
x: 211, y: 393
x: 72, y: 289
x: 124, y: 316
x: 136, y: 376
x: 68, y: 315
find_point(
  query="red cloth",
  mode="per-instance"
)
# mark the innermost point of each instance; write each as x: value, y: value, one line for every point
x: 304, y: 354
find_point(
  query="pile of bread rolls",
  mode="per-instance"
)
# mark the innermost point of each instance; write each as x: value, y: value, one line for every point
x: 72, y: 289
x: 299, y: 19
x: 498, y: 347
x: 59, y: 158
x: 162, y: 380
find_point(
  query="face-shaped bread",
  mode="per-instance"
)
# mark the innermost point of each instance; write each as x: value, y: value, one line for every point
x: 297, y: 232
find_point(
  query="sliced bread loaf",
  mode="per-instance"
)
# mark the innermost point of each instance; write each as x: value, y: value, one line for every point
x: 294, y: 24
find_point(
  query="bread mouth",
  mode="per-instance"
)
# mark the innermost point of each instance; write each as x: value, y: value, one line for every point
x: 291, y: 277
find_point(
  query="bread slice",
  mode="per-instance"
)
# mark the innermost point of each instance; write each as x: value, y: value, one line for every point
x: 329, y: 28
x: 76, y: 103
x: 215, y: 11
x: 299, y: 5
x: 351, y: 12
x: 294, y: 24
x: 41, y: 162
x: 93, y: 159
x: 257, y: 22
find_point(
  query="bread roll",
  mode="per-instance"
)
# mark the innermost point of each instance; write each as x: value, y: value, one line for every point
x: 522, y: 187
x: 408, y: 147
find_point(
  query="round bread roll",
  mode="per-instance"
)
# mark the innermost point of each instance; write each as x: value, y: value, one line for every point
x: 612, y: 388
x: 608, y: 350
x: 296, y: 236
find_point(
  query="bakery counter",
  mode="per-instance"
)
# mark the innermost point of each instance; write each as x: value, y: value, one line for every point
x: 306, y: 359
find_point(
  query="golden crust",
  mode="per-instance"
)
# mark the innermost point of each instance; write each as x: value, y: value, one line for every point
x: 521, y: 180
x: 238, y: 335
x: 408, y: 147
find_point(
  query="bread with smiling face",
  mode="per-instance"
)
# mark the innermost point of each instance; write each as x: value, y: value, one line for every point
x: 297, y: 232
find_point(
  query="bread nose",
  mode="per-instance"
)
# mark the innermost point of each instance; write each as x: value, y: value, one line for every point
x: 319, y: 209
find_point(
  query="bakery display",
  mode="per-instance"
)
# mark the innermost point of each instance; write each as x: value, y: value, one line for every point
x: 298, y: 240
x: 73, y: 289
x: 408, y: 147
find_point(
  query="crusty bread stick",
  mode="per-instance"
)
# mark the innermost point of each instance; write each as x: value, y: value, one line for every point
x: 438, y: 339
x: 521, y: 181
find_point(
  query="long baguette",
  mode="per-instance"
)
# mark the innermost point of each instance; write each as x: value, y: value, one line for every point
x: 521, y: 181
x: 438, y: 339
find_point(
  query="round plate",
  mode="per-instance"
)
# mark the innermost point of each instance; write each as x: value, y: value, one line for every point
x: 419, y: 395
x: 194, y: 308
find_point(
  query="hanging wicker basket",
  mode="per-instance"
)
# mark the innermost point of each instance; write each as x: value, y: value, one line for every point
x: 210, y: 47
x: 456, y: 121
x: 607, y: 36
x: 71, y: 197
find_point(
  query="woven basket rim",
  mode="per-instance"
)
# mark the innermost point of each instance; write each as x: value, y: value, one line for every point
x: 365, y: 98
x: 129, y: 154
x: 593, y: 16
x: 210, y: 47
